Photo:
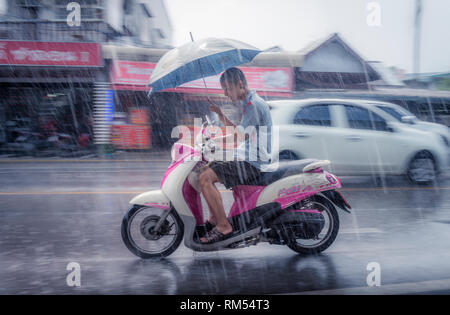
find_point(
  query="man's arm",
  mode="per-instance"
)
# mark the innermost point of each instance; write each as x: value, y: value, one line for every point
x: 216, y: 109
x: 238, y: 136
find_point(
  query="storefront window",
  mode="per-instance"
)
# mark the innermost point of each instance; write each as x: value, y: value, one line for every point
x: 47, y: 111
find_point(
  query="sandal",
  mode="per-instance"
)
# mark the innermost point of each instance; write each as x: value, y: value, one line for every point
x: 209, y: 226
x: 216, y: 236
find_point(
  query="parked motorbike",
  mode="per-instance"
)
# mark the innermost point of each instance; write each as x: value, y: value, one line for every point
x: 24, y: 140
x: 19, y: 140
x: 295, y: 205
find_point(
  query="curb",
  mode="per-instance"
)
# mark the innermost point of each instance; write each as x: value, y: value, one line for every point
x: 138, y: 157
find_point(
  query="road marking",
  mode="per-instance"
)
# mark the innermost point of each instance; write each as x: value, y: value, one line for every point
x: 70, y: 193
x: 87, y: 172
x: 393, y: 188
x: 84, y: 160
x: 360, y: 231
x: 388, y: 289
x: 222, y: 191
x: 85, y: 260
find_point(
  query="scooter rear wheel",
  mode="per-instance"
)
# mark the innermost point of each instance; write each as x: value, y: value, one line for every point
x: 140, y: 238
x: 332, y: 227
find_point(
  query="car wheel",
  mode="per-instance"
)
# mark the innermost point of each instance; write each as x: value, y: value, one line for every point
x: 422, y: 169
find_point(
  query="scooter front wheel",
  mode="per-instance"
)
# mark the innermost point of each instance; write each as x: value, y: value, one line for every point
x: 141, y: 238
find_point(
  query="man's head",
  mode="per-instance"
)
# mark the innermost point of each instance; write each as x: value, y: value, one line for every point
x: 234, y: 84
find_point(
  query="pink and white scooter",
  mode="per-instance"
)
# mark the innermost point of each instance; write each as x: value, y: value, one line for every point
x: 293, y: 206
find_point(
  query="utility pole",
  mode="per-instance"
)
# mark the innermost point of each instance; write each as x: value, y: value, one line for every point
x: 417, y: 33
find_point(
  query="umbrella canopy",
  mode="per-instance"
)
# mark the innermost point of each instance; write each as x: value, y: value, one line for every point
x: 202, y: 58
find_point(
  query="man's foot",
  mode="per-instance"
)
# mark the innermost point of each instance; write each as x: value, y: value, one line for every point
x: 214, y: 236
x: 209, y: 225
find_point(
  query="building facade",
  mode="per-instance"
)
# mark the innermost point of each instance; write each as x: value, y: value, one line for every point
x: 141, y: 23
x: 52, y: 69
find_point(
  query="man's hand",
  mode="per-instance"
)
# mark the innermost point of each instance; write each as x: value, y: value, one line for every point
x: 216, y: 109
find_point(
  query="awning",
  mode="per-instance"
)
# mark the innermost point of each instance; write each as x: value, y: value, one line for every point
x: 272, y: 81
x: 264, y: 59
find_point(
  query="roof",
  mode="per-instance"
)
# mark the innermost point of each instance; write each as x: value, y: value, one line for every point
x: 336, y: 38
x: 273, y: 57
x: 268, y: 59
x: 278, y: 59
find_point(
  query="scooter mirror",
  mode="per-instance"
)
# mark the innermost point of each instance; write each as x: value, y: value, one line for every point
x: 213, y: 120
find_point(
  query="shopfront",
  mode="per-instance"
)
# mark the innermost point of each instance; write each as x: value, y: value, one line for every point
x: 46, y: 88
x: 140, y: 121
x: 179, y: 106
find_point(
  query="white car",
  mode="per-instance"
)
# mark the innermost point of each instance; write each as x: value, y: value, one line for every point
x: 403, y: 115
x: 357, y: 137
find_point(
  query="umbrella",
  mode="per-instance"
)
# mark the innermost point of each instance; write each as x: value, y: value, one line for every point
x: 198, y: 59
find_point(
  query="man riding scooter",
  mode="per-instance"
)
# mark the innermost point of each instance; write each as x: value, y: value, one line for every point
x: 245, y: 168
x: 292, y: 205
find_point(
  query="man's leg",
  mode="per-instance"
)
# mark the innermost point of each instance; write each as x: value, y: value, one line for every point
x: 207, y: 179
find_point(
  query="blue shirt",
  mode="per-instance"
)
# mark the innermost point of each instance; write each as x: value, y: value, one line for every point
x: 257, y: 123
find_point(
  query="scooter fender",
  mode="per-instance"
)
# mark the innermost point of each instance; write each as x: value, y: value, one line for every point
x: 154, y: 198
x: 289, y: 190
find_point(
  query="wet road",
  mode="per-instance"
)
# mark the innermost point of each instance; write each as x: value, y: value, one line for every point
x: 55, y: 213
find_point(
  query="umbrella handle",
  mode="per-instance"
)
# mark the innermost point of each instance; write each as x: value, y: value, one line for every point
x: 210, y: 101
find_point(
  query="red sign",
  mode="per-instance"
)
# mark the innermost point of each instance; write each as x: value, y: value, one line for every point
x: 136, y: 76
x: 50, y: 54
x: 260, y: 79
x: 130, y: 136
x: 132, y: 73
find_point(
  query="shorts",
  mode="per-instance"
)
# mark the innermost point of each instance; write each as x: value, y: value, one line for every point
x: 234, y: 173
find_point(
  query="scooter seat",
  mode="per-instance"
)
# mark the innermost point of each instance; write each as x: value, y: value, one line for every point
x: 275, y: 171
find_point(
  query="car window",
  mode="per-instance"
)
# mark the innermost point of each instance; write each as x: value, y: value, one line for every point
x: 361, y: 118
x: 314, y: 115
x: 403, y: 111
x: 378, y: 122
x: 358, y: 118
x: 391, y: 111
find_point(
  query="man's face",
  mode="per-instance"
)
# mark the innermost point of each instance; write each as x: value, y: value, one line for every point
x: 233, y: 91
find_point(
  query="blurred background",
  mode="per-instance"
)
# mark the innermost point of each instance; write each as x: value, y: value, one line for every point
x: 71, y: 89
x: 363, y: 83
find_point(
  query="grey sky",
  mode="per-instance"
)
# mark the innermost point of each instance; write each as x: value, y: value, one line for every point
x: 293, y: 24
